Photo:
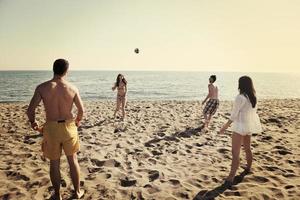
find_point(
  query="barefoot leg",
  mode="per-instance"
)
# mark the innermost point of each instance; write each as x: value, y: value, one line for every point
x: 75, y: 173
x: 236, y: 146
x: 55, y: 177
x: 247, y: 148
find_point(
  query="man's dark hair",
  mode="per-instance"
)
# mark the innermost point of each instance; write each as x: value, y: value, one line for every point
x: 60, y: 66
x: 213, y: 77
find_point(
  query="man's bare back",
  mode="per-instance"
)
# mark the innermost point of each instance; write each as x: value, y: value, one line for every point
x: 213, y: 91
x: 58, y: 96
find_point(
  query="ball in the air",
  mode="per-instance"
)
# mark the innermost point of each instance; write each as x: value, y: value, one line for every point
x: 137, y: 50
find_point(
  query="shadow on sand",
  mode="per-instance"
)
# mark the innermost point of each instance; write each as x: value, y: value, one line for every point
x: 188, y: 132
x: 214, y: 193
x: 28, y: 137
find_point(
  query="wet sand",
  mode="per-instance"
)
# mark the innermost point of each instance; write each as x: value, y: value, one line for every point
x: 160, y: 152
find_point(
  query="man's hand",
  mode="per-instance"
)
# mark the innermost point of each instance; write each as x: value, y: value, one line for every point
x: 36, y: 127
x: 80, y: 109
x: 77, y: 122
x: 223, y: 129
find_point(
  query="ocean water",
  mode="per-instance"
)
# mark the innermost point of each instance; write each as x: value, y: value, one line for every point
x: 96, y: 85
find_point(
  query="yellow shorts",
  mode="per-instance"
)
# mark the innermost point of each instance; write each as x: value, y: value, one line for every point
x: 58, y: 136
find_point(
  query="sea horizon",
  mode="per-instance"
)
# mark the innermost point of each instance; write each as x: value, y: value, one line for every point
x: 129, y: 70
x: 95, y: 85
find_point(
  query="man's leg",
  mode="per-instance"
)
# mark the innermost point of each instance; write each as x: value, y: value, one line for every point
x: 205, y: 119
x: 208, y: 120
x: 55, y: 177
x: 75, y: 173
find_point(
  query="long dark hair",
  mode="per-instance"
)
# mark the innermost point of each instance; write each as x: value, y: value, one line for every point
x: 118, y: 80
x: 247, y: 89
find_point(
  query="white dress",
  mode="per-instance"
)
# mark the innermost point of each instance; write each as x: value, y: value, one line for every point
x: 244, y: 117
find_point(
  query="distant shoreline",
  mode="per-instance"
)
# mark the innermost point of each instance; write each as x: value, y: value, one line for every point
x: 122, y: 70
x: 149, y: 100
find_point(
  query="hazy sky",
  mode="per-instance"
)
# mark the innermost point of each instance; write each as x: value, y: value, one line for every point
x: 202, y: 35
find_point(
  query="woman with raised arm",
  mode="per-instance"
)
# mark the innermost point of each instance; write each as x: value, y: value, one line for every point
x: 121, y: 86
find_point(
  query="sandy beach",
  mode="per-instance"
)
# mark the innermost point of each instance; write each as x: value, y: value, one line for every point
x: 160, y: 152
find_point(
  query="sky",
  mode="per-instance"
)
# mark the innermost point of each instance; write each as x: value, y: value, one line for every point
x: 187, y: 35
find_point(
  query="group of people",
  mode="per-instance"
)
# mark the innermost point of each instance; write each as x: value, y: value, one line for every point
x: 60, y: 130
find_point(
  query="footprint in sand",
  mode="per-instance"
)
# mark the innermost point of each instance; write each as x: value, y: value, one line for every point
x: 272, y: 168
x: 94, y: 169
x: 182, y: 195
x: 290, y: 161
x: 260, y: 179
x: 120, y: 129
x: 161, y: 134
x: 90, y: 176
x: 200, y: 145
x: 223, y: 151
x: 30, y: 185
x: 266, y: 138
x: 282, y: 150
x: 25, y: 155
x: 153, y: 161
x: 29, y: 141
x: 175, y: 182
x: 127, y: 182
x: 106, y: 163
x: 287, y: 187
x: 17, y: 175
x: 153, y: 175
x: 204, y: 177
x: 151, y: 188
x: 289, y: 175
x: 156, y: 153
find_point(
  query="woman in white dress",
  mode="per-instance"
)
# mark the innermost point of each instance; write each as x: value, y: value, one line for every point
x: 245, y: 122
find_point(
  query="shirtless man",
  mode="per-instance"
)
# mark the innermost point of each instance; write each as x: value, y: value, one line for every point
x: 213, y: 102
x: 60, y: 129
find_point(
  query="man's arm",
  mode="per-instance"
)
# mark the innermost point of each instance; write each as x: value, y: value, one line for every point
x: 35, y: 101
x: 79, y: 106
x: 209, y: 94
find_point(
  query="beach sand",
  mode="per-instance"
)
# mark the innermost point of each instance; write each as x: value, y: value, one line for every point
x: 159, y: 153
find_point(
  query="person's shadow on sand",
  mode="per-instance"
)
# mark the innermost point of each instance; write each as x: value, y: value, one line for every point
x: 212, y: 194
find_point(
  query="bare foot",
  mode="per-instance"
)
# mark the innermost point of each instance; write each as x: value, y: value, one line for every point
x: 247, y: 170
x: 55, y: 197
x: 228, y: 184
x: 80, y: 194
